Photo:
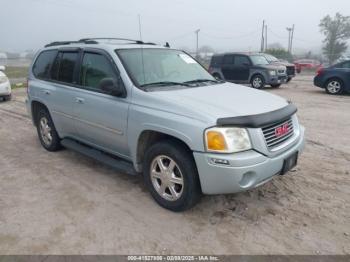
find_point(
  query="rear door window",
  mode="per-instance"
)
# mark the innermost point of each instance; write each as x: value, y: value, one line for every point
x: 67, y: 67
x: 241, y: 60
x: 43, y: 64
x: 228, y: 59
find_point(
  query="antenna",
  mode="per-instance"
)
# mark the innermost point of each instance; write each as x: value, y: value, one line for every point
x: 140, y: 31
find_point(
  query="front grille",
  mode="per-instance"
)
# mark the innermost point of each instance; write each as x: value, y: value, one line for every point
x: 290, y: 70
x: 278, y: 133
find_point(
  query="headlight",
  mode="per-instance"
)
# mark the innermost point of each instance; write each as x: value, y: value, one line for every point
x: 227, y: 140
x: 272, y: 72
x: 3, y: 79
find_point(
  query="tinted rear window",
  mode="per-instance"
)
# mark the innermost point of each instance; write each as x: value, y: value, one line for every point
x: 67, y: 66
x: 42, y: 65
x: 216, y: 61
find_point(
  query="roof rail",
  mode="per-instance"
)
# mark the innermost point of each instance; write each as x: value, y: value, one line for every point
x: 138, y: 42
x: 95, y: 41
x: 56, y: 43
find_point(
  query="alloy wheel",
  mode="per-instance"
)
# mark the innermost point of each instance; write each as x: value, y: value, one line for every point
x: 334, y: 87
x: 167, y: 178
x: 45, y: 131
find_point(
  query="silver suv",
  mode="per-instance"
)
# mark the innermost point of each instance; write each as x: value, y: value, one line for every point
x: 152, y: 110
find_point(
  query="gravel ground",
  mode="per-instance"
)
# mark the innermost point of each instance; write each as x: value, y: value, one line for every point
x: 65, y: 203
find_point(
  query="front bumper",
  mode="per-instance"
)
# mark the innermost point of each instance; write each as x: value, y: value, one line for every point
x: 246, y: 170
x: 5, y: 89
x: 276, y: 80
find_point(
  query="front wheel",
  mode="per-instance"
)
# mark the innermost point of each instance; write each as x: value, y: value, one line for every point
x: 258, y: 82
x: 334, y: 87
x: 171, y: 176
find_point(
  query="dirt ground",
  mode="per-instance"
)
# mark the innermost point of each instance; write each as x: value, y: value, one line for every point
x: 65, y: 203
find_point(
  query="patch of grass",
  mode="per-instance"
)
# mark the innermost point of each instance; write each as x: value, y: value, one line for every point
x: 19, y: 85
x: 16, y: 71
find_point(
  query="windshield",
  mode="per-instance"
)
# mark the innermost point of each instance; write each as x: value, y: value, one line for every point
x: 271, y: 58
x: 147, y: 66
x: 259, y: 60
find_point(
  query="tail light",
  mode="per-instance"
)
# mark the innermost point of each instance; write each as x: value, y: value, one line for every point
x: 319, y: 71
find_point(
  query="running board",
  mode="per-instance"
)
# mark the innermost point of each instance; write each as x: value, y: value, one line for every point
x: 114, y: 162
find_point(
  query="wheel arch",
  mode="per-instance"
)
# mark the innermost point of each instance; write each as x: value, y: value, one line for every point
x: 328, y: 79
x: 35, y: 107
x: 148, y: 138
x: 257, y: 74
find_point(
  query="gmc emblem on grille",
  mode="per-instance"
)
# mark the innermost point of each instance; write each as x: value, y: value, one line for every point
x: 281, y: 130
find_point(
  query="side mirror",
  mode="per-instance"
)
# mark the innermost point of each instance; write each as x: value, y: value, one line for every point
x: 2, y: 68
x: 112, y: 86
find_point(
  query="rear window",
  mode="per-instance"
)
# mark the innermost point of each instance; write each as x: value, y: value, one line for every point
x: 216, y: 61
x: 43, y: 63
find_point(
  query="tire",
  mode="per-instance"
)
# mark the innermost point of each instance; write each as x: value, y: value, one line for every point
x: 217, y: 76
x: 47, y: 133
x: 334, y: 86
x: 276, y: 86
x: 181, y: 187
x: 257, y: 81
x: 289, y: 79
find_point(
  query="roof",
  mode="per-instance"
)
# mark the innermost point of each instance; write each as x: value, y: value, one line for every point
x: 104, y: 42
x: 239, y: 53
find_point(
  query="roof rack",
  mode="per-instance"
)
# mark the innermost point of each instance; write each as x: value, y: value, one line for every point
x: 71, y: 42
x: 95, y: 41
x: 138, y: 42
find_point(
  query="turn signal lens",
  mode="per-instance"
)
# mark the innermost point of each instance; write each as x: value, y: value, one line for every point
x: 216, y: 141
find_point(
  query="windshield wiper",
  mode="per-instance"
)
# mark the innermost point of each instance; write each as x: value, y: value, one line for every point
x: 164, y: 83
x: 202, y: 81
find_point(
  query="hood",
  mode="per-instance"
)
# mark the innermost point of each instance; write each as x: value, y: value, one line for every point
x: 282, y: 63
x: 273, y: 67
x: 216, y: 101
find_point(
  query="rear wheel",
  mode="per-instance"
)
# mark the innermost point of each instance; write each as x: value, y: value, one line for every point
x: 334, y: 86
x: 258, y: 82
x: 171, y: 176
x: 47, y: 133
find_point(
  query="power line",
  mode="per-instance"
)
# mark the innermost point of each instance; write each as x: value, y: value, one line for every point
x: 231, y: 37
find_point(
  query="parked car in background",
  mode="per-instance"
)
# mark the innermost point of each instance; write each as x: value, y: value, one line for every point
x: 242, y: 68
x: 142, y: 108
x: 334, y: 79
x: 309, y: 64
x: 5, y: 86
x: 275, y: 61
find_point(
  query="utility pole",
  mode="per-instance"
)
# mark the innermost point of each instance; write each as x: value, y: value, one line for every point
x: 197, y: 32
x: 262, y: 37
x: 289, y: 29
x: 265, y: 37
x: 291, y: 39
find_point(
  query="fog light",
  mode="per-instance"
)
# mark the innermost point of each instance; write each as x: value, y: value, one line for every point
x: 218, y: 161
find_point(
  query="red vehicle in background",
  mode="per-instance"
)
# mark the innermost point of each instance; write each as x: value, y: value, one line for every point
x: 308, y: 64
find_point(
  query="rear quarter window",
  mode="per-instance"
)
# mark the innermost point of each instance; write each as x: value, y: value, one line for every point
x: 43, y: 64
x: 216, y: 61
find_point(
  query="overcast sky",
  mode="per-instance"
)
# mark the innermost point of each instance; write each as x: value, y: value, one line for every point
x: 225, y: 24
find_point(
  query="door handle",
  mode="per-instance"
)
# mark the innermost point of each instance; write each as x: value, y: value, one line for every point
x: 79, y: 100
x: 46, y: 92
